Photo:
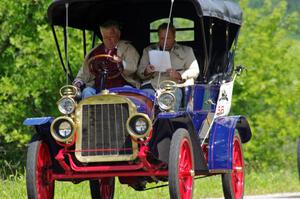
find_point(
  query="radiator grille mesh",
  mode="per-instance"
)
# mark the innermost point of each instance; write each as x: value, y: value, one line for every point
x: 104, y: 130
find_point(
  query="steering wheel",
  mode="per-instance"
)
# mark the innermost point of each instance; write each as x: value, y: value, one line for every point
x: 101, y: 63
x: 168, y: 85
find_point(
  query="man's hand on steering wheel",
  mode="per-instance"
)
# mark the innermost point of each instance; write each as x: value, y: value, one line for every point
x: 117, y: 59
x: 103, y: 59
x: 101, y: 62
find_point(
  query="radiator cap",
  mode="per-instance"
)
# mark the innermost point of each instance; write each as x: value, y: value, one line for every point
x: 105, y: 92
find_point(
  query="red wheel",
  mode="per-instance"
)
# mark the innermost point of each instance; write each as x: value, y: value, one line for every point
x: 181, y: 166
x: 233, y: 183
x: 103, y: 188
x: 39, y: 170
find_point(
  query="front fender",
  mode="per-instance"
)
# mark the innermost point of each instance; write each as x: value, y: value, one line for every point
x: 164, y: 128
x: 221, y: 140
x: 41, y: 124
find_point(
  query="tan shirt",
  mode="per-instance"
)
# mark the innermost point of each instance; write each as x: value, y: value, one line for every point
x: 182, y: 59
x: 130, y: 58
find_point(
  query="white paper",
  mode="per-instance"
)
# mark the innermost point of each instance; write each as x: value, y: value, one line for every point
x: 160, y: 60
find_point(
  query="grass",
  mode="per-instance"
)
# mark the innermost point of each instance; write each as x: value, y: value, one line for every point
x: 256, y: 183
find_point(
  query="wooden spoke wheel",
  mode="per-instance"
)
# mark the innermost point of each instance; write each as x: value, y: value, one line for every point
x: 103, y: 188
x: 233, y: 183
x: 39, y: 170
x: 181, y: 166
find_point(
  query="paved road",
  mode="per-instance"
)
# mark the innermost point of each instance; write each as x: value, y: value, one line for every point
x: 276, y: 196
x: 273, y: 196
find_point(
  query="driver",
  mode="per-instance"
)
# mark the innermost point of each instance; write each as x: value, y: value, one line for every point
x: 184, y: 64
x: 111, y: 64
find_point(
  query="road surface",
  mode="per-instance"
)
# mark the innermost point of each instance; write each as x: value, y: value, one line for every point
x: 273, y: 196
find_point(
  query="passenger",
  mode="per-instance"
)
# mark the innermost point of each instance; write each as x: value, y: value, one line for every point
x: 184, y: 64
x: 103, y: 72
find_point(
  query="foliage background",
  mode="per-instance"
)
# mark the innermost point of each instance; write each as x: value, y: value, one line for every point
x: 268, y: 92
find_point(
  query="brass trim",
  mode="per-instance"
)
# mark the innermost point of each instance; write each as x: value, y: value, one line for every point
x: 131, y: 131
x: 105, y: 99
x: 168, y: 85
x: 68, y: 90
x: 53, y: 132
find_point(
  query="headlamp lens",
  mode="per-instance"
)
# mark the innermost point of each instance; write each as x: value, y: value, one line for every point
x: 166, y: 101
x: 65, y: 129
x: 66, y: 105
x: 62, y: 129
x: 141, y: 125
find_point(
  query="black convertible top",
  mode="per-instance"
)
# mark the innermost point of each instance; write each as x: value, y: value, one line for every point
x: 216, y: 23
x: 85, y: 14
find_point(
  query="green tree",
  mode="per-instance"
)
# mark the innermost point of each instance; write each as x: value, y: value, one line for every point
x: 26, y: 69
x: 268, y: 93
x: 30, y: 73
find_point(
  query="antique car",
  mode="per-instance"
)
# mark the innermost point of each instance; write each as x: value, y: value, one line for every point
x: 126, y: 134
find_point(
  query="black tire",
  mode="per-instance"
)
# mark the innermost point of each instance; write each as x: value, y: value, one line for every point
x: 103, y: 188
x: 181, y: 166
x: 298, y: 156
x: 233, y: 183
x: 39, y: 170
